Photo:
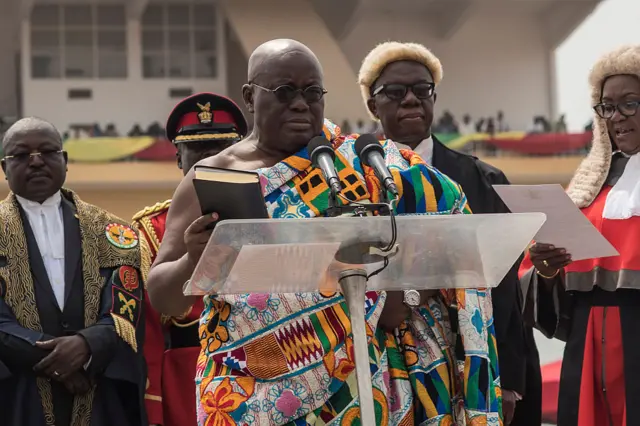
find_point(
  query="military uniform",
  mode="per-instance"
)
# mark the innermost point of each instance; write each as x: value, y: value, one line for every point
x: 172, y: 344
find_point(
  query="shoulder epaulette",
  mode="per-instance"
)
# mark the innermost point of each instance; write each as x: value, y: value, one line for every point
x: 150, y: 211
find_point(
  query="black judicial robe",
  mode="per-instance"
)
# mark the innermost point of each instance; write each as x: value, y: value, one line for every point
x: 517, y: 351
x: 115, y: 369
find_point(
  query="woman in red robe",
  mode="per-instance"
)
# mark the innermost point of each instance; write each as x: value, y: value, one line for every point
x: 594, y: 305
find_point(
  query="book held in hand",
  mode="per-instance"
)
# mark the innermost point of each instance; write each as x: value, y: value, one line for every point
x: 233, y: 194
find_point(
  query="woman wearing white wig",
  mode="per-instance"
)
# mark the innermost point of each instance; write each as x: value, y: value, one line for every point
x: 594, y: 304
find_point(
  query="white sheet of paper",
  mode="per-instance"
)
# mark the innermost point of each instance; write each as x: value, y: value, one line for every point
x: 565, y: 227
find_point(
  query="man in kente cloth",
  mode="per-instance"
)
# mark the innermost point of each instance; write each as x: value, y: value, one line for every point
x: 275, y: 359
x: 398, y: 82
x: 71, y: 288
x: 200, y: 126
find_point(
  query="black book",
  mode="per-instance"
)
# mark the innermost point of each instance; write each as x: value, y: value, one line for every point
x: 233, y: 194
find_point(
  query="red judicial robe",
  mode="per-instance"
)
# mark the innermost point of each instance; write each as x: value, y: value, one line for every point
x: 172, y: 346
x: 592, y: 308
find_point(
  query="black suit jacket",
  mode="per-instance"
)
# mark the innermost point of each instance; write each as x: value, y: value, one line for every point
x: 476, y: 179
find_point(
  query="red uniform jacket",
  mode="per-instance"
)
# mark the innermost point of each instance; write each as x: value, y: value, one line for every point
x: 171, y: 348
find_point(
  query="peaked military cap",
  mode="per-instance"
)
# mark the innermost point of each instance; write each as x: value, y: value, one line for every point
x: 206, y: 117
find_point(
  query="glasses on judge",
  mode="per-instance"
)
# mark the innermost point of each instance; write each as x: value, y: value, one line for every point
x: 287, y: 93
x: 397, y: 91
x: 627, y: 109
x: 45, y: 155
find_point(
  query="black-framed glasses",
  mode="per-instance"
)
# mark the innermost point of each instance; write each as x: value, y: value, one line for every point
x: 46, y: 155
x: 288, y: 93
x: 627, y: 109
x: 397, y: 91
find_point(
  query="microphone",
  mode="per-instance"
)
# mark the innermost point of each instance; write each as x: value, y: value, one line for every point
x: 371, y: 154
x: 322, y: 155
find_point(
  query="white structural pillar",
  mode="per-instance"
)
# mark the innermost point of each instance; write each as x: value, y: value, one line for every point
x: 448, y: 17
x: 258, y: 22
x: 135, y: 8
x: 560, y: 18
x: 557, y: 22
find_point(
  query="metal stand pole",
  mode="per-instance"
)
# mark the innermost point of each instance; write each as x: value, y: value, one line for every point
x: 354, y: 287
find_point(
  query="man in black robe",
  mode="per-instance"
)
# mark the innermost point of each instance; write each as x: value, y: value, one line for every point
x: 71, y: 289
x: 517, y: 351
x: 398, y: 82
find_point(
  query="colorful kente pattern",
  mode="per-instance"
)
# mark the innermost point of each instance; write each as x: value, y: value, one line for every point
x: 287, y: 359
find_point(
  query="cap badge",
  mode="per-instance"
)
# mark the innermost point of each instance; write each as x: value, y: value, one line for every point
x: 205, y: 116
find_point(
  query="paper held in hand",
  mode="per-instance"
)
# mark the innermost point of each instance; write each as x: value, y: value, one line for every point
x: 565, y: 227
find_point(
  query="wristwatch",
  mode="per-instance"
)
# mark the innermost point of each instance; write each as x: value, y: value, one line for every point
x: 412, y: 298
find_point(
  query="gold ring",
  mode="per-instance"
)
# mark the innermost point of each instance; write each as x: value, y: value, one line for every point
x: 545, y: 263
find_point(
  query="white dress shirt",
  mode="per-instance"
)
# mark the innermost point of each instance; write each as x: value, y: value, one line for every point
x: 48, y: 228
x: 424, y: 149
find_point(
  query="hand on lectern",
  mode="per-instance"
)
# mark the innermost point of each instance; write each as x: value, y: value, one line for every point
x: 197, y: 236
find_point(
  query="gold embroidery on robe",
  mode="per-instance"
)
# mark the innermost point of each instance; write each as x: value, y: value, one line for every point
x: 97, y: 253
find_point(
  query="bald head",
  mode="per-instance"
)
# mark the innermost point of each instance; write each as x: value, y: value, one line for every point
x: 30, y: 125
x: 285, y: 94
x: 34, y: 164
x: 274, y: 50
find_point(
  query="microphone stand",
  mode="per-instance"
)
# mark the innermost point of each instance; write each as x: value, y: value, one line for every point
x: 359, y: 210
x: 353, y: 283
x: 333, y: 210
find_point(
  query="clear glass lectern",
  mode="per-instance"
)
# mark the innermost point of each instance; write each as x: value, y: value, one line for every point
x: 339, y: 254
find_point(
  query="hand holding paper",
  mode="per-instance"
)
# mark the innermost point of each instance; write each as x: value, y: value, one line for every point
x: 566, y: 227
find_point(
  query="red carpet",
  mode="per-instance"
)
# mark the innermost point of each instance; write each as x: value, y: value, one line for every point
x: 550, y: 387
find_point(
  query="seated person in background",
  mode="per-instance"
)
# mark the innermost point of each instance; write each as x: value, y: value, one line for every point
x: 135, y: 131
x: 594, y: 304
x: 501, y: 125
x: 467, y: 127
x: 288, y: 358
x: 71, y: 288
x: 111, y: 131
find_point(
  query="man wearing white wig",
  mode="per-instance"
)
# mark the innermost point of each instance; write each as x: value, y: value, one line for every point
x: 594, y: 305
x: 458, y: 382
x: 398, y: 82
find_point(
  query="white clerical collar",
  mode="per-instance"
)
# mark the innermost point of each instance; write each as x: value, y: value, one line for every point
x: 623, y: 201
x: 54, y: 201
x: 424, y: 149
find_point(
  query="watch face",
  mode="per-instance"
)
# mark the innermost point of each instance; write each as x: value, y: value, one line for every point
x: 412, y: 298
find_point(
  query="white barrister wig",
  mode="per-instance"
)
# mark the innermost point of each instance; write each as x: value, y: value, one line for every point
x: 592, y: 172
x: 392, y: 51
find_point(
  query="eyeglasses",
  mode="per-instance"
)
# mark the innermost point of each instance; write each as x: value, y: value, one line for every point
x: 288, y: 93
x: 627, y: 109
x: 397, y: 92
x: 45, y: 155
